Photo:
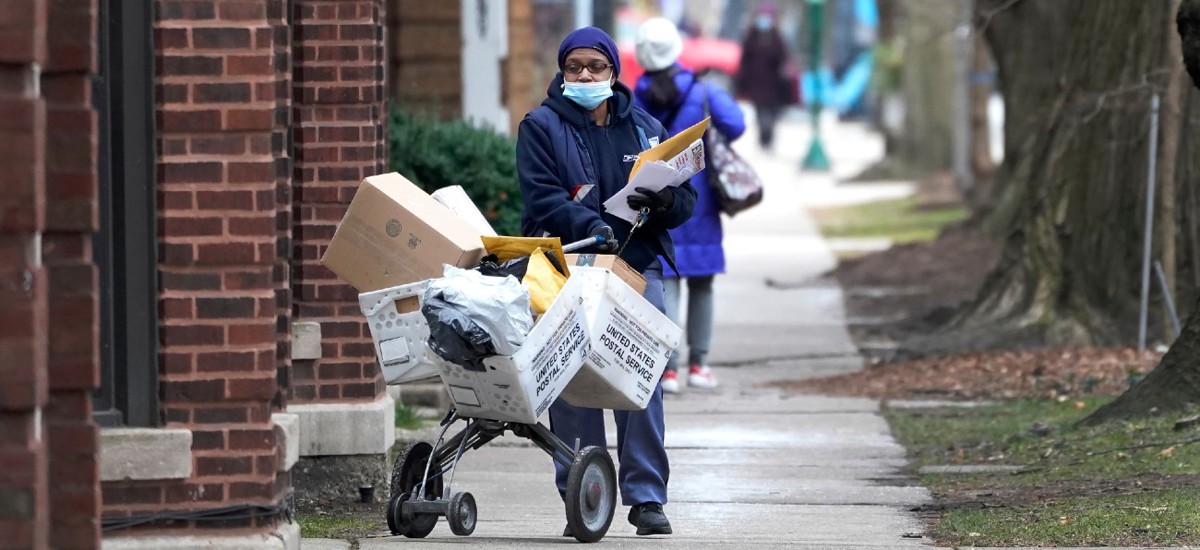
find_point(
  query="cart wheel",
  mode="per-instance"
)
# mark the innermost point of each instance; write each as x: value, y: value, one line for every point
x: 591, y: 494
x: 462, y: 514
x: 393, y: 509
x: 407, y: 523
x: 406, y: 474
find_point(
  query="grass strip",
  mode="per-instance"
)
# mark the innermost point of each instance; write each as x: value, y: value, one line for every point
x: 899, y: 220
x: 335, y: 527
x: 1121, y: 483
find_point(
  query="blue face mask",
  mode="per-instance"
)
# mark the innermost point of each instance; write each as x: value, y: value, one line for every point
x: 588, y: 95
x: 763, y: 22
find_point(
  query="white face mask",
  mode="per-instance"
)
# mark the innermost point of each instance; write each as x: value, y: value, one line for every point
x: 763, y: 22
x: 588, y: 95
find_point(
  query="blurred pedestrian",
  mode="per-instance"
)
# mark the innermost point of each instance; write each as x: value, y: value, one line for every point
x: 675, y: 96
x: 761, y: 77
x: 574, y: 152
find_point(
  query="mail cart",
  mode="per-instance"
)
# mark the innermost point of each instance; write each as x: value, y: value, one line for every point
x: 559, y: 358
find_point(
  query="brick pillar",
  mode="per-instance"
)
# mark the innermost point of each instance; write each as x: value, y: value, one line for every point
x: 220, y: 148
x: 339, y: 110
x: 281, y: 145
x: 47, y: 280
x: 72, y: 217
x: 24, y: 510
x: 338, y: 104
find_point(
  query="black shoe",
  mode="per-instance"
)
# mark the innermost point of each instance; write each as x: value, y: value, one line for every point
x: 649, y: 519
x: 567, y: 531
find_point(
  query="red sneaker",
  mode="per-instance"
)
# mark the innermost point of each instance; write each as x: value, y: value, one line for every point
x: 670, y: 382
x: 699, y: 376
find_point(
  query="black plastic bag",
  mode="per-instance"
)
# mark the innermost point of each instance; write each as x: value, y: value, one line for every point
x: 492, y: 267
x: 454, y: 336
x: 516, y: 267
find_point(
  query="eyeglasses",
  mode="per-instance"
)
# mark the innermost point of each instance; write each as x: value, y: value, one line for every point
x: 596, y: 67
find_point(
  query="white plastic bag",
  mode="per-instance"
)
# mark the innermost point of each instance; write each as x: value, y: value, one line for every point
x: 500, y: 305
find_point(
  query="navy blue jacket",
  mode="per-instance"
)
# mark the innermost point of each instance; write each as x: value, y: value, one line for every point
x: 568, y: 166
x: 698, y: 248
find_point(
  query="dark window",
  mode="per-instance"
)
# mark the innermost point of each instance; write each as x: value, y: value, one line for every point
x: 125, y: 247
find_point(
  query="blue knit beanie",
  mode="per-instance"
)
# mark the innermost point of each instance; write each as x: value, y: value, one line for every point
x: 590, y: 37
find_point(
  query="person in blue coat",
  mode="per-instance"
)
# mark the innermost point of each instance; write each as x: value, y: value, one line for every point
x: 675, y: 96
x: 574, y: 152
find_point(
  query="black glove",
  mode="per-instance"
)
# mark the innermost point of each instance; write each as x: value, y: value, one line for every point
x: 610, y: 239
x: 657, y: 201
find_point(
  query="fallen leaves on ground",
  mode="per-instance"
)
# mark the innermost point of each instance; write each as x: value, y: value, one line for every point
x: 1073, y: 372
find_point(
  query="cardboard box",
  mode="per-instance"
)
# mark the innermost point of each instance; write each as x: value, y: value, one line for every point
x: 400, y: 332
x: 631, y: 342
x: 520, y: 387
x: 394, y: 234
x: 613, y: 263
x: 455, y: 198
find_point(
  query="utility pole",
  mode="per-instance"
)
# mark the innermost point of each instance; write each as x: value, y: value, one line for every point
x: 964, y: 48
x: 815, y: 159
x: 583, y: 13
x: 602, y: 15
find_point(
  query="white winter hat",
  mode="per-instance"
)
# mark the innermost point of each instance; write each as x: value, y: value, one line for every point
x: 658, y: 44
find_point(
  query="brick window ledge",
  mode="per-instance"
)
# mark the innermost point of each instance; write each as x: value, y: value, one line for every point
x: 145, y: 453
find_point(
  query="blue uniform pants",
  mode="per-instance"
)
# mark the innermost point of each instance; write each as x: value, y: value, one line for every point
x: 641, y: 450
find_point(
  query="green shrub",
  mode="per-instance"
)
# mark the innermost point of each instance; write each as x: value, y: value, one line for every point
x: 435, y: 154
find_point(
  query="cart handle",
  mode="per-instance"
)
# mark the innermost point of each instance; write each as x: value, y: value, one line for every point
x: 584, y: 243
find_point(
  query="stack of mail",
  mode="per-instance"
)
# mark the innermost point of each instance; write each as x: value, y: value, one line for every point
x: 671, y: 163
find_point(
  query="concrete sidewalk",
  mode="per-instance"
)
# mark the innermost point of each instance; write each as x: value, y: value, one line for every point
x: 751, y: 467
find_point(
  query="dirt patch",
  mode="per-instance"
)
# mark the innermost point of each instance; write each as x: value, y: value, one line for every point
x: 993, y: 375
x: 909, y: 289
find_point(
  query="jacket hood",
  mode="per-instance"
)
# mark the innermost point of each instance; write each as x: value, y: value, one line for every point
x: 620, y: 105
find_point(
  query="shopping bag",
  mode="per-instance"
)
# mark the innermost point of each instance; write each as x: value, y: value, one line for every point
x: 735, y: 184
x: 733, y: 181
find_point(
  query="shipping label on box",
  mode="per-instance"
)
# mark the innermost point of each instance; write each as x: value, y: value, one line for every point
x: 631, y: 342
x: 566, y: 352
x: 624, y: 347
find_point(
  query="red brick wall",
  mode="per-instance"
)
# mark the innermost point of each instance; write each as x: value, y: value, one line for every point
x: 339, y: 110
x: 71, y: 219
x: 23, y: 290
x: 281, y: 145
x: 223, y: 173
x: 47, y: 280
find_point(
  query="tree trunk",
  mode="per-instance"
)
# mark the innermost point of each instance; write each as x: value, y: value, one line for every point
x: 1075, y: 163
x: 1175, y: 383
x: 927, y: 80
x: 1172, y: 125
x: 921, y: 31
x: 1025, y: 41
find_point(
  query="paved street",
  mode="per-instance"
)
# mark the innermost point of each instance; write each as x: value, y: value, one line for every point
x: 751, y: 467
